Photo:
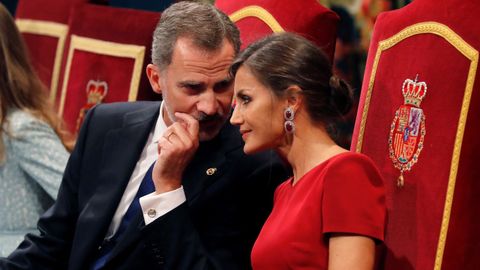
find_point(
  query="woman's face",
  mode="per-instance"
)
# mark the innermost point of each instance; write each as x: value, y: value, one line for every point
x: 258, y: 113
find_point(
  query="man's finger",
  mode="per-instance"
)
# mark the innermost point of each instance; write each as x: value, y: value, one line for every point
x: 179, y: 132
x: 190, y: 122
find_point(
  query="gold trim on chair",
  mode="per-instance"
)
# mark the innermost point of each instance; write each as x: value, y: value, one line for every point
x: 105, y: 48
x: 469, y: 52
x: 260, y: 13
x: 51, y: 29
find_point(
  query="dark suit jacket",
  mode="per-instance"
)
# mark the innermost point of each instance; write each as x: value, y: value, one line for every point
x: 214, y: 229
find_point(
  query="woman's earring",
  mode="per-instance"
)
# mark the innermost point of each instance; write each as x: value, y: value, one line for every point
x: 289, y: 126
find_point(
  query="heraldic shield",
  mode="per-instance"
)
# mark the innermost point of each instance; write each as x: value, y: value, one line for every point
x: 425, y: 144
x: 408, y: 128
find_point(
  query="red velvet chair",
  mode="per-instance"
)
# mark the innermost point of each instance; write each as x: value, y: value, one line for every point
x: 108, y: 49
x: 44, y: 26
x: 258, y: 18
x: 418, y: 119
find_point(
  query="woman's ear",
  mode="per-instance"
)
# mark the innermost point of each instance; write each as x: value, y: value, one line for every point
x: 294, y: 97
x: 154, y: 75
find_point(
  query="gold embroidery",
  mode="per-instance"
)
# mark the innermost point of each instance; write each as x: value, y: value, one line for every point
x: 105, y: 48
x: 470, y: 53
x: 51, y: 29
x: 407, y: 131
x: 260, y: 13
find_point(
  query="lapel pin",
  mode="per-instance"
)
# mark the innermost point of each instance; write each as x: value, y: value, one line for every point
x: 211, y: 171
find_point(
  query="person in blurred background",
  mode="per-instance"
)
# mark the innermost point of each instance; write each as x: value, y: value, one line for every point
x: 34, y: 147
x: 331, y: 212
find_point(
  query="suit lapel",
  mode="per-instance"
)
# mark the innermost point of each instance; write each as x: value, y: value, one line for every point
x: 210, y: 155
x: 210, y: 163
x: 130, y: 236
x: 120, y: 154
x: 203, y: 170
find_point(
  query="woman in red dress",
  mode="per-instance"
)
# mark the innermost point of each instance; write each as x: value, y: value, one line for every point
x: 331, y: 213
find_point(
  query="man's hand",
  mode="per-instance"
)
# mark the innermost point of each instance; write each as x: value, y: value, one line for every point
x: 175, y: 150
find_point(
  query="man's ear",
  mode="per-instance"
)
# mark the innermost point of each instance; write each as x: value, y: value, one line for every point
x: 294, y: 97
x: 154, y: 76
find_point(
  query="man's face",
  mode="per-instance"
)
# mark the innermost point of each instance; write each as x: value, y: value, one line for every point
x: 196, y: 82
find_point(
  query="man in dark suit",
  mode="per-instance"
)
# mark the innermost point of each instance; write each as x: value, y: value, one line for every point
x: 206, y: 201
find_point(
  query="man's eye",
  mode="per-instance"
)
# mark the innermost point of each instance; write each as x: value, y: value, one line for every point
x: 193, y: 87
x: 222, y: 86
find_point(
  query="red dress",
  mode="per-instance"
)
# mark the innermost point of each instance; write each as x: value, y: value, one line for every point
x: 343, y: 194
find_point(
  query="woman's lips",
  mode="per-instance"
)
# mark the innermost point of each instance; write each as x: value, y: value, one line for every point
x: 244, y: 133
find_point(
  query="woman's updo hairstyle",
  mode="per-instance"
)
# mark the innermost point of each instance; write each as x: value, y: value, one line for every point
x: 285, y: 59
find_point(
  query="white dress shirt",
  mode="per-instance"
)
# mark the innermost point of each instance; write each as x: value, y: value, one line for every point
x: 153, y: 205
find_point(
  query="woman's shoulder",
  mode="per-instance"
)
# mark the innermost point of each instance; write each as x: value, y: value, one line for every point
x: 349, y: 157
x: 348, y: 164
x: 20, y: 115
x: 19, y: 119
x: 22, y: 124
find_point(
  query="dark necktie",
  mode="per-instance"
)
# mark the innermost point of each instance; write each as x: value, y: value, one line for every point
x: 145, y: 188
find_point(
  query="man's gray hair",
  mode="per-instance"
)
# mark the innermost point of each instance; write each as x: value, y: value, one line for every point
x: 203, y: 23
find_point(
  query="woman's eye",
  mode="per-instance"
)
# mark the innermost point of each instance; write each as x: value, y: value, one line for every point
x: 245, y: 99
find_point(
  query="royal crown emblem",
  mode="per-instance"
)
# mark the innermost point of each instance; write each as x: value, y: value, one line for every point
x: 96, y: 92
x: 407, y: 131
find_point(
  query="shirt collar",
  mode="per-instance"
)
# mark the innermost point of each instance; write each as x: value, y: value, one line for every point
x: 160, y: 126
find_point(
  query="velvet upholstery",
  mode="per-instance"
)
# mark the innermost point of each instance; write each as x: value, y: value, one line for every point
x: 432, y: 222
x: 108, y: 50
x: 44, y: 26
x: 258, y: 18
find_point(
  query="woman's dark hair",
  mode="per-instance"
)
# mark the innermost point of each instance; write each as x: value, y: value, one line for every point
x: 285, y: 59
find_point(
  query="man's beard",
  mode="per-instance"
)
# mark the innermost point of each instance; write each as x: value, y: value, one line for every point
x: 209, y: 125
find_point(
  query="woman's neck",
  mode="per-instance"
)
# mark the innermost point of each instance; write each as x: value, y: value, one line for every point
x: 310, y: 146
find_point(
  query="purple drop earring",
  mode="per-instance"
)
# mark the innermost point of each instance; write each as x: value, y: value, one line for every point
x: 289, y: 126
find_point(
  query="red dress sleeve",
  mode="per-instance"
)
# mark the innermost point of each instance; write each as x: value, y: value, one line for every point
x: 354, y: 197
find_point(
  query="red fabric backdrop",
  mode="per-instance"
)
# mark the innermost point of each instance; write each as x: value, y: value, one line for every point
x: 432, y: 196
x: 42, y: 48
x: 46, y: 10
x: 306, y: 17
x: 42, y: 51
x: 118, y: 25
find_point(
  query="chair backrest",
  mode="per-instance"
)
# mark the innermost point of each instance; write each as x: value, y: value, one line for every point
x: 258, y: 18
x: 418, y: 118
x: 157, y: 5
x: 44, y: 26
x: 108, y: 50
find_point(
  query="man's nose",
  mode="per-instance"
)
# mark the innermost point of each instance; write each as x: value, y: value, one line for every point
x: 208, y: 103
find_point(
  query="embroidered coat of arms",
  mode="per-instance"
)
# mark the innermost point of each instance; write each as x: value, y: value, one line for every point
x: 407, y: 131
